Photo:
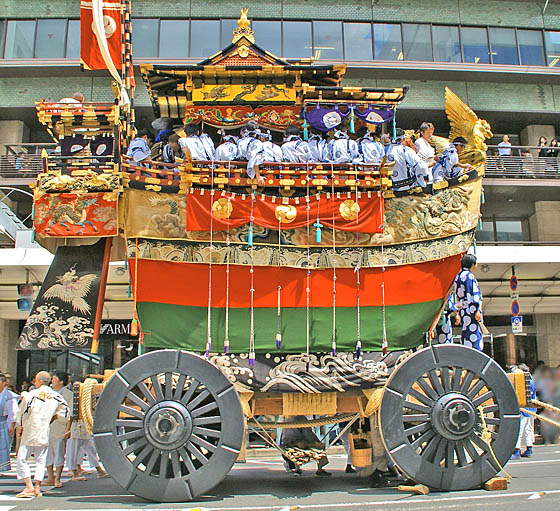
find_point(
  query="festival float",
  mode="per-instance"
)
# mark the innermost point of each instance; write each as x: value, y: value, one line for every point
x: 312, y: 293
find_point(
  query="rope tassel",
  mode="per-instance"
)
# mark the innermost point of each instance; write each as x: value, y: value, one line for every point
x: 278, y: 322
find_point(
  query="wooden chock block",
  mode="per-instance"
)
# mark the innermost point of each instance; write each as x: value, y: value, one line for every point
x: 418, y: 489
x: 496, y: 484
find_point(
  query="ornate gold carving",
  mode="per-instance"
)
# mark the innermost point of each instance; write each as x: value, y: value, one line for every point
x: 222, y: 208
x: 286, y: 213
x: 349, y: 210
x: 244, y: 28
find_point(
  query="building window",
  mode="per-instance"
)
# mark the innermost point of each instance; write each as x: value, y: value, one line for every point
x: 531, y: 47
x: 19, y: 39
x: 145, y: 33
x: 297, y: 39
x: 226, y: 32
x: 174, y: 39
x: 357, y: 41
x: 327, y: 40
x: 475, y: 45
x: 3, y: 24
x: 446, y: 44
x: 552, y: 44
x: 509, y: 230
x: 73, y: 40
x: 387, y: 41
x: 417, y: 42
x: 503, y: 46
x: 485, y: 232
x: 50, y: 41
x: 268, y: 35
x: 204, y: 38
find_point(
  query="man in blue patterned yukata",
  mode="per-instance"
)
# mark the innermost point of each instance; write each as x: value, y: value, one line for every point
x: 8, y: 411
x: 469, y: 303
x: 444, y: 329
x: 447, y: 164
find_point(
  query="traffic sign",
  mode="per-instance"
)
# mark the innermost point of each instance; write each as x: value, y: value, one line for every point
x: 513, y: 283
x: 515, y: 308
x: 517, y: 324
x: 514, y: 295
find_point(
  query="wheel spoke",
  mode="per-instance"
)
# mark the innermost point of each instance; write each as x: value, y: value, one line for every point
x: 156, y: 385
x: 163, y: 464
x: 476, y: 388
x: 417, y: 429
x: 152, y: 461
x: 490, y: 409
x: 431, y: 447
x: 129, y: 423
x: 440, y: 452
x: 479, y: 442
x: 436, y: 384
x: 416, y: 406
x: 416, y: 417
x: 147, y: 394
x: 213, y: 419
x: 131, y: 411
x: 137, y: 401
x: 186, y: 457
x: 179, y: 388
x: 197, y: 453
x: 423, y: 438
x: 493, y: 421
x: 461, y: 457
x: 483, y: 398
x: 175, y: 464
x: 131, y: 434
x: 446, y: 382
x: 450, y: 454
x: 206, y: 432
x: 141, y: 456
x: 204, y: 409
x: 466, y: 383
x: 428, y: 390
x: 189, y: 393
x: 421, y: 397
x: 203, y: 443
x: 470, y: 448
x: 198, y: 399
x: 456, y: 382
x: 168, y: 386
x: 134, y: 446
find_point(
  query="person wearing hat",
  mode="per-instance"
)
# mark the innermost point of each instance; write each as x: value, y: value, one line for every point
x: 409, y: 171
x: 317, y: 146
x: 527, y: 426
x: 341, y: 149
x: 272, y: 153
x: 248, y: 133
x: 369, y: 149
x: 227, y: 150
x: 469, y: 304
x: 447, y: 165
x: 294, y: 149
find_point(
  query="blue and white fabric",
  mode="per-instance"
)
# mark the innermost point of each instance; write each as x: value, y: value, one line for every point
x: 469, y: 303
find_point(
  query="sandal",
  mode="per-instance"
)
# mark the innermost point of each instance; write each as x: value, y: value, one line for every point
x: 25, y: 495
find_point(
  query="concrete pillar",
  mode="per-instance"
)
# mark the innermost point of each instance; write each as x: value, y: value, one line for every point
x: 545, y: 222
x: 12, y: 132
x: 9, y: 331
x: 548, y: 338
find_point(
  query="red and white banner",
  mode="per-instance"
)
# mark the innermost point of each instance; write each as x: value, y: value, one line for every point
x: 91, y: 54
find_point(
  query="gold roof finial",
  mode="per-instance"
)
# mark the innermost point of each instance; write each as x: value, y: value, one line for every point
x: 244, y: 28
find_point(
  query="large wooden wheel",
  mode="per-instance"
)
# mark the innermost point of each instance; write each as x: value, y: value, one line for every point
x: 168, y: 426
x: 431, y: 417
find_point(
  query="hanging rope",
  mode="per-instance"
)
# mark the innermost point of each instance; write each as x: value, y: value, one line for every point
x: 228, y: 248
x: 252, y: 290
x: 357, y: 270
x: 209, y: 319
x: 307, y: 287
x: 279, y: 310
x: 333, y: 345
x: 384, y: 344
x: 134, y: 322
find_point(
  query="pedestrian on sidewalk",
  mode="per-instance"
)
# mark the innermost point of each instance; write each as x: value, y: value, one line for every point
x: 8, y: 411
x: 527, y: 426
x: 38, y: 408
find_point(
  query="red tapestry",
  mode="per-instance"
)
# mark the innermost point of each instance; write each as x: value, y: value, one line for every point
x: 76, y: 215
x: 344, y: 213
x: 272, y: 117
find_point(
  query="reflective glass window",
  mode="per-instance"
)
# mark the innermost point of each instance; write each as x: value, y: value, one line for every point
x: 3, y: 24
x: 417, y: 42
x: 446, y: 44
x: 552, y: 44
x: 174, y: 39
x: 19, y: 39
x: 205, y: 36
x: 531, y: 47
x: 357, y: 41
x: 327, y: 40
x: 145, y: 37
x: 297, y: 39
x: 268, y: 35
x: 503, y: 46
x: 73, y: 40
x: 485, y: 232
x: 226, y: 31
x: 509, y: 230
x: 475, y: 45
x: 51, y: 38
x: 387, y: 44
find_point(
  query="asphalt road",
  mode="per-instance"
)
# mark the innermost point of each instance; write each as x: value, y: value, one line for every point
x: 263, y: 485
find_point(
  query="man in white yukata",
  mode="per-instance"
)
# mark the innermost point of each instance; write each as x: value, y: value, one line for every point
x: 294, y: 149
x: 227, y: 150
x: 247, y: 137
x: 342, y: 149
x: 447, y: 164
x: 139, y: 149
x: 272, y: 153
x: 317, y: 146
x: 59, y: 433
x: 369, y: 149
x: 36, y: 411
x: 409, y: 171
x: 192, y: 145
x: 8, y: 411
x: 424, y: 149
